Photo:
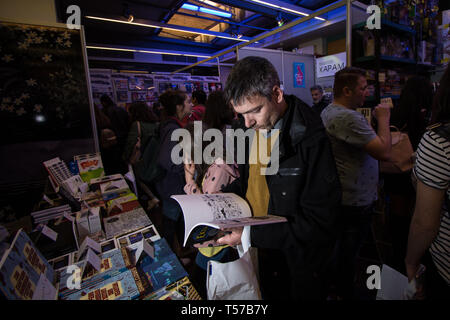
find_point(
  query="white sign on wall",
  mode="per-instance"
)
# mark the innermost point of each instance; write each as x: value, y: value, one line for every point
x: 327, y: 66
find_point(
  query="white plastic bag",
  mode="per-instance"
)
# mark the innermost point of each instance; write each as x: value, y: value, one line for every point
x: 235, y: 280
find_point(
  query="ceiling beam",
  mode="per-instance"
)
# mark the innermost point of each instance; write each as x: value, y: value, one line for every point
x: 269, y: 12
x: 166, y: 17
x: 155, y: 24
x: 291, y: 24
x: 222, y: 21
x: 283, y: 7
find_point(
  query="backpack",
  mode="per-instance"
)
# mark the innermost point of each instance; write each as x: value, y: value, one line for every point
x: 136, y: 154
x: 147, y: 168
x: 401, y: 154
x: 108, y: 138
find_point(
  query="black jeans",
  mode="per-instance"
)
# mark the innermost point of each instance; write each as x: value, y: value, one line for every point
x: 355, y: 225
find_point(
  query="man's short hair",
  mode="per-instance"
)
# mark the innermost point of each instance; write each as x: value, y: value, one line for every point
x: 316, y: 87
x: 347, y: 77
x: 200, y: 96
x: 249, y: 77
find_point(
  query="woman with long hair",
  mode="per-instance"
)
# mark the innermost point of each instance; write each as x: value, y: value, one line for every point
x: 144, y: 127
x: 212, y: 177
x: 411, y: 115
x: 176, y: 105
x: 429, y: 236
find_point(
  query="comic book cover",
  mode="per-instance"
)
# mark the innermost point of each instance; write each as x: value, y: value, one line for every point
x: 162, y: 269
x: 90, y: 166
x: 113, y: 263
x: 179, y: 290
x: 126, y: 222
x: 21, y: 267
x: 121, y: 286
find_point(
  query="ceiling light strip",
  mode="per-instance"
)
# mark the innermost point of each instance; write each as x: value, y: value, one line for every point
x: 285, y: 9
x: 148, y: 51
x: 165, y: 27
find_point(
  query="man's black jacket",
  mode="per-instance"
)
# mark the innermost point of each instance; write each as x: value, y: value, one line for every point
x: 306, y: 190
x: 322, y: 104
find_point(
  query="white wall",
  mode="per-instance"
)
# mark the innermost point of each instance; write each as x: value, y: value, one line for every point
x: 319, y: 48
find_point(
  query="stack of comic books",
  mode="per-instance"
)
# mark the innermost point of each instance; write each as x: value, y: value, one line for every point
x: 126, y: 222
x: 122, y: 273
x: 58, y: 171
x: 43, y: 216
x: 24, y: 271
x: 90, y: 166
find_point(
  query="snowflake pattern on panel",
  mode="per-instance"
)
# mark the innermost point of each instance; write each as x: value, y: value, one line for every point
x: 42, y: 76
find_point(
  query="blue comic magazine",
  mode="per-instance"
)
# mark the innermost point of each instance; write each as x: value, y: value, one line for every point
x: 112, y: 264
x: 21, y: 267
x: 119, y: 287
x: 162, y: 269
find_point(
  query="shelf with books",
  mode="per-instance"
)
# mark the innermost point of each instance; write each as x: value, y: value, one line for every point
x: 385, y: 58
x: 389, y: 24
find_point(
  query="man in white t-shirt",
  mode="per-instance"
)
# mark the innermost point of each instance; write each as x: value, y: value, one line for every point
x: 357, y: 149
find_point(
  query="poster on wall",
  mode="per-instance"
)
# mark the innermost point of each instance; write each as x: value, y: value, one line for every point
x: 121, y: 84
x: 140, y: 83
x: 327, y: 66
x: 122, y: 96
x: 148, y: 96
x: 299, y: 75
x: 101, y: 84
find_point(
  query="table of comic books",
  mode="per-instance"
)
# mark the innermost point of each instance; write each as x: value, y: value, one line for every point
x: 91, y: 240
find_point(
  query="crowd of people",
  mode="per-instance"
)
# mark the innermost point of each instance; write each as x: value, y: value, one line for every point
x: 327, y: 182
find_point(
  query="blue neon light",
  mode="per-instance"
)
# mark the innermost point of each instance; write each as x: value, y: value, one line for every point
x: 188, y: 6
x: 192, y: 7
x: 215, y: 12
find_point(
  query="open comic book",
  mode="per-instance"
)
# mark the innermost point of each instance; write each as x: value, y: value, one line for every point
x: 216, y: 211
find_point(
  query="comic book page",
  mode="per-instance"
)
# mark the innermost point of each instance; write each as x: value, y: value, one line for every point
x: 219, y: 211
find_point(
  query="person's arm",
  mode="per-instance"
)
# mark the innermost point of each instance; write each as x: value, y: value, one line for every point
x: 424, y: 225
x: 380, y: 147
x: 190, y: 187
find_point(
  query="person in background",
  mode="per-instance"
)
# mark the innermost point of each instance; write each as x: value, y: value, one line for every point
x: 356, y: 149
x: 139, y: 112
x: 208, y: 178
x: 119, y: 122
x: 320, y: 101
x: 198, y: 109
x: 144, y: 126
x: 429, y: 231
x: 157, y: 110
x: 411, y: 115
x: 211, y: 178
x: 294, y: 255
x: 219, y: 114
x: 177, y: 105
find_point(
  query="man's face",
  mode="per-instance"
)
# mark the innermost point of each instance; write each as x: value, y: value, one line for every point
x: 359, y: 93
x: 260, y: 112
x: 185, y: 109
x: 316, y: 95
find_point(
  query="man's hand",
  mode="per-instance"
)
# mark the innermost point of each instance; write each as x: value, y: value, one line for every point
x: 382, y: 112
x: 232, y: 239
x: 207, y: 244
